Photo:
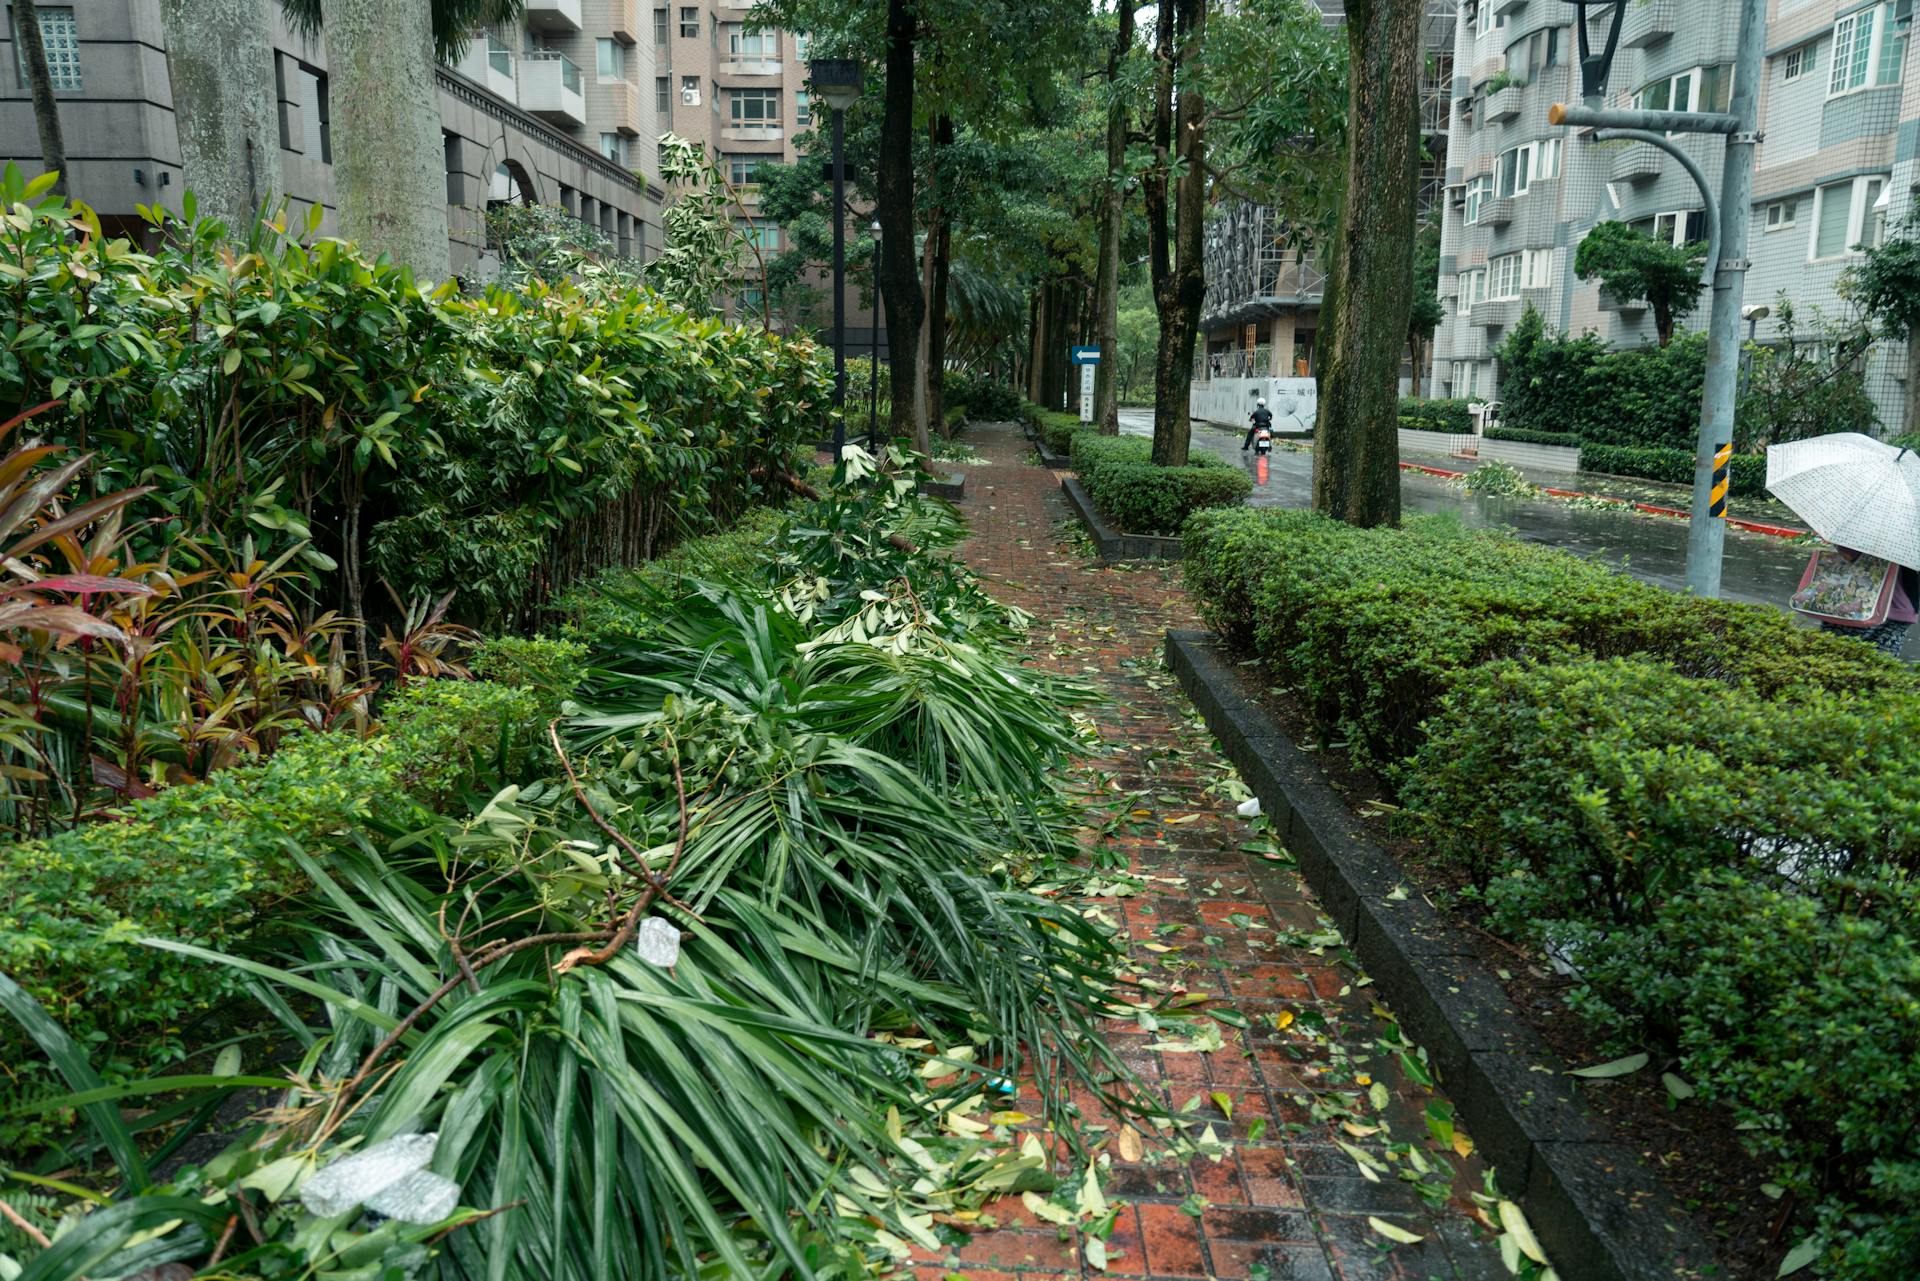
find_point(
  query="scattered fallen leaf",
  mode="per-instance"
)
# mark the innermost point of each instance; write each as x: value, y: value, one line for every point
x: 1129, y: 1144
x: 1393, y: 1232
x: 1514, y: 1222
x: 1618, y: 1067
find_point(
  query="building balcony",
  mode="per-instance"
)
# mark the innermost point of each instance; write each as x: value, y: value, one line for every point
x: 625, y: 20
x: 553, y: 15
x: 1489, y: 67
x: 1636, y: 162
x: 1621, y: 306
x: 1497, y: 213
x: 1507, y: 8
x: 772, y: 132
x: 488, y: 62
x: 623, y: 102
x: 551, y: 88
x: 1504, y: 104
x: 1496, y: 313
x: 751, y: 67
x: 1647, y: 22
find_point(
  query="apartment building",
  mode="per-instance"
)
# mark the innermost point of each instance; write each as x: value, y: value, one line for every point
x: 1837, y: 164
x: 1260, y: 319
x: 553, y: 110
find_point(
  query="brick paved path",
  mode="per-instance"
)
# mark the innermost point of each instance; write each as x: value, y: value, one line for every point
x: 1287, y: 1202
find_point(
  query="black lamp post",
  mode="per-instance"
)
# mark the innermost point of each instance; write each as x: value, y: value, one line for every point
x: 836, y: 81
x: 873, y: 351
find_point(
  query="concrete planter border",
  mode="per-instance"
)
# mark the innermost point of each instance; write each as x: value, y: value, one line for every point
x: 1058, y: 462
x: 1110, y: 542
x: 1594, y: 1204
x: 951, y: 486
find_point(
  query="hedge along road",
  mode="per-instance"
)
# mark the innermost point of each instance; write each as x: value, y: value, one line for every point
x: 1759, y: 568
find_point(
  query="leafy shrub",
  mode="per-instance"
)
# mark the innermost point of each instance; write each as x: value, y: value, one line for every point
x: 1746, y: 473
x: 981, y: 398
x: 446, y: 739
x: 1057, y: 430
x: 1711, y: 814
x: 1141, y: 498
x: 1445, y: 415
x: 1375, y: 625
x: 1560, y: 383
x: 1562, y: 438
x: 1497, y: 477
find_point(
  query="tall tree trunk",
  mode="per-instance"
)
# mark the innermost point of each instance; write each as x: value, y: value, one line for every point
x: 1036, y: 337
x: 899, y: 271
x: 225, y: 106
x: 922, y: 389
x: 1180, y: 290
x: 1059, y: 334
x: 1113, y: 196
x: 389, y: 164
x: 940, y: 242
x: 1912, y: 420
x: 46, y: 116
x: 1356, y: 455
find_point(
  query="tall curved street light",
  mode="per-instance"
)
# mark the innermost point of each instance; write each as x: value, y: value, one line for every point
x: 836, y: 82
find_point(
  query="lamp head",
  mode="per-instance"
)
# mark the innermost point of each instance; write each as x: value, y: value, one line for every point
x: 835, y: 81
x: 1755, y: 311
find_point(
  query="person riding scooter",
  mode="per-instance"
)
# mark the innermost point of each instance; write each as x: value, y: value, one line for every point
x: 1262, y: 421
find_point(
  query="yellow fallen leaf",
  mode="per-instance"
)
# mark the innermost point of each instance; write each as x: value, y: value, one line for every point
x: 1130, y: 1144
x: 1009, y: 1118
x: 966, y: 1127
x: 1515, y: 1222
x: 1393, y: 1232
x: 1359, y: 1131
x: 1462, y: 1144
x: 1042, y: 1208
x: 1283, y: 1020
x: 1092, y: 1203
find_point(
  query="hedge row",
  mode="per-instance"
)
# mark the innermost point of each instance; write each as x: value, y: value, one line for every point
x: 1747, y: 473
x: 1120, y: 477
x: 1712, y: 814
x: 208, y: 863
x: 1522, y: 437
x: 1446, y: 415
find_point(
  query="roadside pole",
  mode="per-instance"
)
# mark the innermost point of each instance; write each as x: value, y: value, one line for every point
x: 1088, y: 358
x: 1707, y: 533
x: 1727, y: 261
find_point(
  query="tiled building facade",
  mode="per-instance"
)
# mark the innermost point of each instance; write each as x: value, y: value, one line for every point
x: 1840, y: 119
x: 554, y: 111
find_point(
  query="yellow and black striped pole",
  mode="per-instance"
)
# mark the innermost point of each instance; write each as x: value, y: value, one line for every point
x: 1722, y: 460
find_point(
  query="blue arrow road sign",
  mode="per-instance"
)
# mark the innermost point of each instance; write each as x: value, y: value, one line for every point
x: 1086, y: 355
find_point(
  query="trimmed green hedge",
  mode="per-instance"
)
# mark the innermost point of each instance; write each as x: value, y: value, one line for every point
x: 1058, y: 429
x: 1747, y: 473
x: 1446, y: 415
x: 1712, y: 814
x: 1141, y: 498
x: 1523, y: 437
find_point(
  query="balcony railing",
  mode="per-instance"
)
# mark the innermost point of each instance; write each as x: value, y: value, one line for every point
x: 1503, y: 104
x: 1645, y: 23
x: 1635, y: 162
x: 488, y: 62
x: 551, y: 88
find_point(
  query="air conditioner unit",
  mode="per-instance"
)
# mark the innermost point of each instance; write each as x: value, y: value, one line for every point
x: 690, y: 95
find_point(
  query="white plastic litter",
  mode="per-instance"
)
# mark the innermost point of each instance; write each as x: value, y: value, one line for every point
x: 1249, y: 808
x: 658, y: 942
x: 393, y: 1173
x: 421, y: 1197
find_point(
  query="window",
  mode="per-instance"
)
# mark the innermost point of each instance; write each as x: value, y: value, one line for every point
x: 1508, y: 274
x: 761, y: 235
x: 614, y: 148
x: 1869, y: 47
x: 663, y: 95
x: 1546, y: 159
x: 1678, y: 227
x: 610, y: 60
x: 1473, y: 288
x: 753, y: 46
x: 689, y: 22
x: 802, y: 112
x: 1465, y: 375
x: 1479, y: 192
x: 61, y: 37
x: 1695, y: 89
x: 660, y: 26
x: 801, y: 44
x: 1845, y: 217
x: 753, y: 108
x: 1798, y: 62
x: 1532, y: 55
x: 1537, y: 271
x: 1783, y: 213
x: 1485, y: 19
x: 740, y: 169
x: 690, y: 91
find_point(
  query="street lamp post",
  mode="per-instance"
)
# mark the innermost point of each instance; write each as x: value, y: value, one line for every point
x: 836, y: 81
x: 873, y: 351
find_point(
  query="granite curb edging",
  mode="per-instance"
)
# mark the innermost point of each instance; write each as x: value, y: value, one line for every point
x: 1596, y: 1207
x: 951, y: 486
x: 1110, y: 542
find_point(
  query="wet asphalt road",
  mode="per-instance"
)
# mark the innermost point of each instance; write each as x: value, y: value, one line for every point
x: 1758, y: 568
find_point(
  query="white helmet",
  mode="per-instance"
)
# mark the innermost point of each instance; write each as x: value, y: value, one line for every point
x: 1261, y: 403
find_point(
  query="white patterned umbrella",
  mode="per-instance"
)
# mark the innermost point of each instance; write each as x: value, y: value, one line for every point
x: 1854, y: 490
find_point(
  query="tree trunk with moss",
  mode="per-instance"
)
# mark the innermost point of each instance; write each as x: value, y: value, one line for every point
x: 225, y: 106
x: 1113, y: 196
x: 899, y: 264
x: 389, y: 163
x: 46, y: 115
x: 1180, y: 281
x: 1356, y: 455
